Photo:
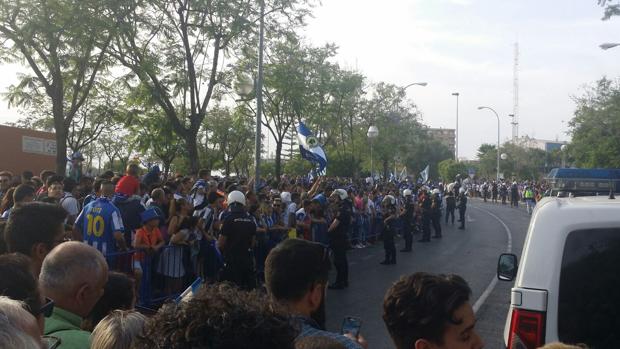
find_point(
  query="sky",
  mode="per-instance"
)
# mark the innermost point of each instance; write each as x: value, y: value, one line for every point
x: 466, y: 46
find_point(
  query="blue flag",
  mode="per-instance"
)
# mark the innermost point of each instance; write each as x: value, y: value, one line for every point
x: 310, y: 148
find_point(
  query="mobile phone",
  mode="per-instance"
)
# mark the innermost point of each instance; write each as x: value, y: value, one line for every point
x: 352, y: 325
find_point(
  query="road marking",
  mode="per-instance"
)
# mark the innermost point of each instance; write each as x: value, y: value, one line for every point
x: 487, y: 292
x: 469, y: 219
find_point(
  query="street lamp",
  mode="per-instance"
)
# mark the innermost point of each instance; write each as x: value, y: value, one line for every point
x: 456, y: 141
x: 373, y: 132
x: 416, y: 84
x: 497, y: 116
x: 259, y: 98
x: 608, y: 45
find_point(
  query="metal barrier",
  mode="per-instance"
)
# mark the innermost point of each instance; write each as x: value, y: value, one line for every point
x: 160, y: 276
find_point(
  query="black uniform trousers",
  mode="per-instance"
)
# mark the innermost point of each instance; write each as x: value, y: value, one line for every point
x: 462, y: 216
x: 341, y: 263
x: 408, y: 234
x: 389, y: 246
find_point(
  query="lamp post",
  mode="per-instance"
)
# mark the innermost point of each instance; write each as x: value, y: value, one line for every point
x: 259, y: 98
x: 456, y: 141
x: 416, y: 84
x: 497, y: 116
x: 373, y: 132
x: 608, y: 45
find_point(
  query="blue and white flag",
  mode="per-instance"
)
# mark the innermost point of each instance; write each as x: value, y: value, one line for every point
x: 310, y: 148
x: 424, y: 174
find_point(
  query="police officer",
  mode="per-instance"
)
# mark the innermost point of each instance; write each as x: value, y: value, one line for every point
x: 450, y: 206
x: 436, y: 213
x: 338, y: 238
x: 408, y: 219
x: 425, y: 208
x: 391, y: 216
x: 236, y: 240
x: 462, y: 206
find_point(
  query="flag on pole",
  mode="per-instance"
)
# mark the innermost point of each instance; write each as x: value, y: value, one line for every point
x: 424, y: 174
x: 403, y: 174
x: 310, y: 148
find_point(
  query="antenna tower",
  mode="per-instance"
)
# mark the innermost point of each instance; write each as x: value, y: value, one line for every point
x: 515, y: 106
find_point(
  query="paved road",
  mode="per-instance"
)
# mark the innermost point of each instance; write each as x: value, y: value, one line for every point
x: 471, y: 253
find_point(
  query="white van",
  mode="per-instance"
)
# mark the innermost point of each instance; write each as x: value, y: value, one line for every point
x: 567, y: 283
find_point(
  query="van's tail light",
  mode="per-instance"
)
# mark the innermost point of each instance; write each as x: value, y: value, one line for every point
x: 527, y: 329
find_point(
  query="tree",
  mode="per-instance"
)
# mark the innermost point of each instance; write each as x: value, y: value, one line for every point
x: 612, y: 8
x: 233, y: 133
x: 176, y: 50
x: 448, y: 169
x: 152, y: 134
x: 596, y: 125
x: 65, y: 45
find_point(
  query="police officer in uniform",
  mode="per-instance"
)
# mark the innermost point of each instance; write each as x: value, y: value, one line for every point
x: 236, y: 240
x: 390, y: 221
x: 462, y: 206
x: 408, y: 219
x: 426, y: 209
x: 436, y: 213
x: 338, y: 238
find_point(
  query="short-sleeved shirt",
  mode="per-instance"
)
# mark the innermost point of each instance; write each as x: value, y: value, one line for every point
x: 239, y: 228
x: 339, y: 235
x: 98, y: 221
x: 70, y: 204
x: 149, y: 238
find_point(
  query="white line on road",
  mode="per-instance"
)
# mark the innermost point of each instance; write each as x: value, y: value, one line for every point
x: 487, y: 292
x: 469, y: 219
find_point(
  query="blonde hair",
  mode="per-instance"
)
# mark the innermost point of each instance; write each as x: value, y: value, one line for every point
x: 117, y: 330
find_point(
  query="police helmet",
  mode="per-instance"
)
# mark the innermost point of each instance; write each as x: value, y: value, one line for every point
x: 341, y: 193
x: 389, y: 199
x: 236, y: 196
x: 407, y: 192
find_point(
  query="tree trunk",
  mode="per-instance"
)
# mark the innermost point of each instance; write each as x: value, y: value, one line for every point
x: 192, y: 150
x: 386, y: 165
x: 278, y: 160
x: 61, y: 138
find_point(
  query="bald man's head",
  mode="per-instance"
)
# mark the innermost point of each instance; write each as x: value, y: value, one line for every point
x: 73, y: 275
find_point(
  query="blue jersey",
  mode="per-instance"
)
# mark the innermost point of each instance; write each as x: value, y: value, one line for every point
x: 98, y: 221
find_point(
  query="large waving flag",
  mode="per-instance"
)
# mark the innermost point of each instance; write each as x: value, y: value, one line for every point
x: 310, y: 148
x: 424, y: 174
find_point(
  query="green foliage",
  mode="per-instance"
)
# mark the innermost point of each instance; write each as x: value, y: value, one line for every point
x: 176, y: 50
x: 65, y: 45
x: 522, y: 162
x: 612, y: 8
x: 297, y: 166
x: 448, y: 169
x: 596, y: 126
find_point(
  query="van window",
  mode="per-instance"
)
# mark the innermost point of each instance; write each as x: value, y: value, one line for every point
x: 589, y: 299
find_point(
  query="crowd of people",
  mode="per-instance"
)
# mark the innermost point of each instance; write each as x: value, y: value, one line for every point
x: 79, y: 256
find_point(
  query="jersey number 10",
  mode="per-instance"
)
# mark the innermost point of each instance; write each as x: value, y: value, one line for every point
x: 95, y: 226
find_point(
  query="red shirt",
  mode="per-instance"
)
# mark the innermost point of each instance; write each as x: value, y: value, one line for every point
x: 128, y: 185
